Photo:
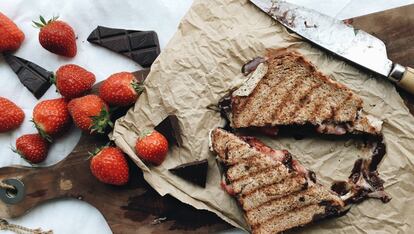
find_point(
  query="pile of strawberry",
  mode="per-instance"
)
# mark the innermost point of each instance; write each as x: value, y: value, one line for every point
x: 89, y: 112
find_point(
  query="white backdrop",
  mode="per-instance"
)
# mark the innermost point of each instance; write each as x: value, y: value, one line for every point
x: 163, y: 16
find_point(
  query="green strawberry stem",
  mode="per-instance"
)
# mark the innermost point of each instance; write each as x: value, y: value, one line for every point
x: 101, y: 122
x: 144, y: 133
x: 42, y: 132
x: 21, y: 155
x: 52, y: 79
x: 139, y: 87
x: 43, y: 22
x: 96, y: 151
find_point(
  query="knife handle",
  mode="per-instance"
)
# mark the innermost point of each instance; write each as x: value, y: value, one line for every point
x: 407, y: 81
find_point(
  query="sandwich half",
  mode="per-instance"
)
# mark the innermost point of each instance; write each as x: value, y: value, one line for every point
x: 284, y: 89
x: 274, y: 190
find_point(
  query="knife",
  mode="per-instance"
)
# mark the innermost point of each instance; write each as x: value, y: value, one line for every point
x: 353, y: 45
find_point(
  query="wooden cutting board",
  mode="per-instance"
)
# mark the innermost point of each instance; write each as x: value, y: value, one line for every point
x: 136, y: 207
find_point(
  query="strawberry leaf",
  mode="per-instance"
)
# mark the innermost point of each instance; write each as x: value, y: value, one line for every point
x: 52, y: 79
x: 21, y: 155
x: 139, y: 87
x: 101, y: 122
x: 37, y: 25
x: 42, y: 132
x: 145, y: 133
x: 42, y: 20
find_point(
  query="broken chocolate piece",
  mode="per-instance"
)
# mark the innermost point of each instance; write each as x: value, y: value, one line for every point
x: 35, y: 78
x: 141, y: 46
x: 170, y: 129
x: 141, y: 75
x: 194, y: 172
x: 252, y: 65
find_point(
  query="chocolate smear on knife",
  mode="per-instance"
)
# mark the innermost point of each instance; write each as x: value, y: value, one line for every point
x: 170, y: 129
x: 194, y: 172
x: 35, y: 78
x: 141, y: 46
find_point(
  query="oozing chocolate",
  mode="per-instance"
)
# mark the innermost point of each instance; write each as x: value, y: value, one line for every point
x: 252, y: 65
x: 364, y: 181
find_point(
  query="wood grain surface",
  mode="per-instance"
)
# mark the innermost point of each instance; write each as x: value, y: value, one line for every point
x: 395, y: 28
x: 136, y: 207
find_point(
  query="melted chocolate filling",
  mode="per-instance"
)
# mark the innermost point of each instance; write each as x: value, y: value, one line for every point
x: 288, y: 161
x: 331, y: 210
x: 252, y: 65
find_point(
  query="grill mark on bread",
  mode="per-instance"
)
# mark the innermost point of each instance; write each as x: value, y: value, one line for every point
x: 272, y: 191
x: 279, y: 166
x: 300, y: 102
x: 339, y: 107
x: 260, y: 180
x: 317, y: 108
x: 248, y: 166
x: 284, y: 100
x: 276, y: 207
x: 268, y: 98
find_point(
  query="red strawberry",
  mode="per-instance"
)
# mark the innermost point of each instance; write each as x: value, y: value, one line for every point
x: 57, y: 36
x: 152, y: 147
x: 11, y: 37
x: 51, y: 117
x: 73, y: 81
x: 110, y: 166
x: 32, y: 147
x: 120, y: 89
x: 11, y: 116
x: 90, y: 113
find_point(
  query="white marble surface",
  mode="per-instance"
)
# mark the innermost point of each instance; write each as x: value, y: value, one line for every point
x: 163, y: 16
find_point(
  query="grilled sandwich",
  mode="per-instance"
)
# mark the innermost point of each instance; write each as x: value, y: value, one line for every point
x: 274, y: 190
x: 285, y: 89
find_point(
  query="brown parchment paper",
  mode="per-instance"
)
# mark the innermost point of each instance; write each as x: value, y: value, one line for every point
x: 203, y: 61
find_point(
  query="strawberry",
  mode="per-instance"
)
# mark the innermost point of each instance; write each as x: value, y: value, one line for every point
x: 57, y: 36
x: 51, y: 117
x: 90, y: 113
x: 109, y: 166
x: 11, y: 116
x: 32, y: 147
x: 152, y: 147
x: 120, y: 89
x: 73, y: 81
x: 11, y: 37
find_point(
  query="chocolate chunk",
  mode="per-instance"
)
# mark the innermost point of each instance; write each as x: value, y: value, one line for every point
x: 341, y: 187
x: 252, y: 65
x: 35, y: 78
x: 141, y: 75
x: 331, y: 210
x: 141, y: 46
x: 170, y: 129
x: 194, y: 172
x: 288, y: 161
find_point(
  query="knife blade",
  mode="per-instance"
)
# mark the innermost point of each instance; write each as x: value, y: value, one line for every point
x: 333, y: 35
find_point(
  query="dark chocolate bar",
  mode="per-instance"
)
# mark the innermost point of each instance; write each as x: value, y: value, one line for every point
x: 141, y: 46
x: 170, y: 129
x: 194, y: 172
x: 35, y: 78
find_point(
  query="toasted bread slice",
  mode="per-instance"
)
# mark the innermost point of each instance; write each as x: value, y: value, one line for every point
x: 292, y: 92
x: 275, y: 191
